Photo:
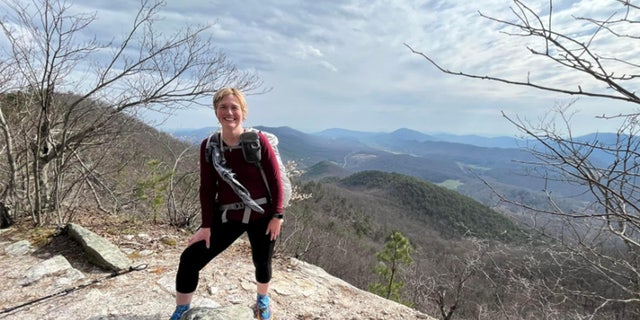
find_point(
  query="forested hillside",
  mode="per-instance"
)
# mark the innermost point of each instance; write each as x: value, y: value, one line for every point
x: 355, y: 215
x: 454, y: 215
x: 124, y: 167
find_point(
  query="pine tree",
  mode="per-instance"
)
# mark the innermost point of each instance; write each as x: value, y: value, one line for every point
x: 397, y: 251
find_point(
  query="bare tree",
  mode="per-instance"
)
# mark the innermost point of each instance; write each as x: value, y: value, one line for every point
x: 571, y: 51
x: 110, y: 82
x: 601, y: 242
x: 182, y: 203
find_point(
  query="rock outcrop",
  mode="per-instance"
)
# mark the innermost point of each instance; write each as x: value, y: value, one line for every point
x: 226, y: 291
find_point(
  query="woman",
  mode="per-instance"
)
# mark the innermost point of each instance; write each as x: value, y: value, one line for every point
x: 225, y: 217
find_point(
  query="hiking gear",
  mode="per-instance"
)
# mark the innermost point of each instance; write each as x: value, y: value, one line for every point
x: 177, y: 314
x: 246, y: 215
x: 250, y: 144
x: 262, y: 307
x: 251, y: 150
x: 284, y: 178
x: 227, y: 175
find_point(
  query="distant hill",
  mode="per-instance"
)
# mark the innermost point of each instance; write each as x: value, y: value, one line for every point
x: 192, y: 135
x: 405, y: 134
x: 495, y: 142
x: 441, y: 209
x: 325, y: 169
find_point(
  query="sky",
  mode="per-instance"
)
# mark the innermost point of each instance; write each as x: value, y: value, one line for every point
x: 346, y: 64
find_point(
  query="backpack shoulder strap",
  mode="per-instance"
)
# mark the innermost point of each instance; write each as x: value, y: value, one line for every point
x: 258, y: 164
x: 211, y: 140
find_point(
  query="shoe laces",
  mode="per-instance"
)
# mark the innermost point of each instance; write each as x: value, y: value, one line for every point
x: 177, y: 314
x: 263, y: 307
x: 263, y: 303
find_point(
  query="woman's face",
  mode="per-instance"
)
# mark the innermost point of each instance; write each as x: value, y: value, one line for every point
x: 229, y: 112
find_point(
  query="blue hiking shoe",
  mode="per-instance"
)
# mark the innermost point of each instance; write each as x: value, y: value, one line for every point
x: 262, y: 307
x: 179, y: 311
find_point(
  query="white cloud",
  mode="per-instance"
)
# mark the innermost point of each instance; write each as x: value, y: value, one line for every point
x: 308, y: 51
x: 344, y: 63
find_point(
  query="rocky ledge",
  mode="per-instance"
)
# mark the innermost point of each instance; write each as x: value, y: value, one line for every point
x: 61, y: 280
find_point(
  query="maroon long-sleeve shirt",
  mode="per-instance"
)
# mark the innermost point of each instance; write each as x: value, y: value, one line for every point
x: 248, y: 175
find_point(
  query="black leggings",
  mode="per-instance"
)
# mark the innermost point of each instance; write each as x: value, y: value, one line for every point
x: 196, y: 256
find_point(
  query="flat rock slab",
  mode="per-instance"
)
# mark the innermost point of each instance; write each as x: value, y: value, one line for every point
x: 236, y: 312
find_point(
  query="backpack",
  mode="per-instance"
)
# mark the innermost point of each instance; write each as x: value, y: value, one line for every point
x: 250, y: 144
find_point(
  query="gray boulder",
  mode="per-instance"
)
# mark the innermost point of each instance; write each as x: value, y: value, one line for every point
x: 99, y: 250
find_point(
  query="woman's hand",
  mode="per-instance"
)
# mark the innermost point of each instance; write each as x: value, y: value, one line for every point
x: 201, y: 234
x: 273, y: 228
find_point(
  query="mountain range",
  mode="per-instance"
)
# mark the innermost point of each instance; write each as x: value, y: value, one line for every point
x: 467, y: 164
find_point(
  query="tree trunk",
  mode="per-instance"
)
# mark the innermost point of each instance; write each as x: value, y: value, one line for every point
x: 5, y: 217
x: 44, y: 200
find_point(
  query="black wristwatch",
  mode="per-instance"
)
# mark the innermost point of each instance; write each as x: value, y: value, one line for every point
x: 278, y: 216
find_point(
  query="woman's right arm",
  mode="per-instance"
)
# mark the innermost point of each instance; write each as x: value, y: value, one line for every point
x: 208, y: 188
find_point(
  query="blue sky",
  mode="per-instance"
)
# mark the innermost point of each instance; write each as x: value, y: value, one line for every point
x: 344, y: 64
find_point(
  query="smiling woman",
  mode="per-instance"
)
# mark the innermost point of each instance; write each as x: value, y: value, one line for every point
x: 236, y: 196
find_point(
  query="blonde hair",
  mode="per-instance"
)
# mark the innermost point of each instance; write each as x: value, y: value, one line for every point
x: 220, y: 94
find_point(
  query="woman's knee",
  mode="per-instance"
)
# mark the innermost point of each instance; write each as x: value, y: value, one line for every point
x: 194, y: 257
